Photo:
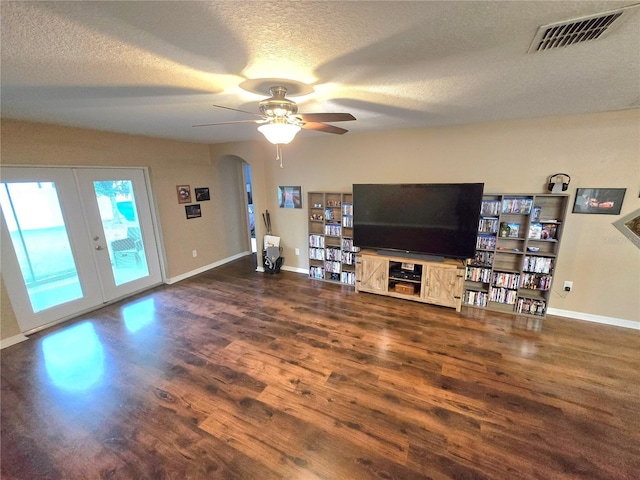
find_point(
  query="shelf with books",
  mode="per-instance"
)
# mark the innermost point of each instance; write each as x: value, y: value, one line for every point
x: 521, y: 255
x: 331, y: 251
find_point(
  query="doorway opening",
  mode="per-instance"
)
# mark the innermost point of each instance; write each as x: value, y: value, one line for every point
x: 250, y: 209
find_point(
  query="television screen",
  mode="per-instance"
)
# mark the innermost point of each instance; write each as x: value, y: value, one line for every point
x: 438, y: 219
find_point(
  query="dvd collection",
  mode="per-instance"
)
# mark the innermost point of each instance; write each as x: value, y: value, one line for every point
x: 488, y: 225
x: 538, y: 264
x: 531, y: 306
x: 348, y: 258
x: 485, y: 242
x: 506, y: 280
x: 334, y: 267
x: 348, y: 277
x: 524, y: 228
x: 316, y: 241
x: 333, y: 230
x: 521, y: 206
x: 316, y: 272
x: 483, y: 259
x: 535, y: 231
x: 490, y: 207
x: 503, y: 295
x: 478, y: 274
x: 535, y: 281
x: 316, y: 253
x: 479, y: 299
x: 333, y: 254
x: 328, y: 215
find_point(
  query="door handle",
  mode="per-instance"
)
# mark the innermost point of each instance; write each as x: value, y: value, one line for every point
x: 96, y: 238
x: 98, y: 247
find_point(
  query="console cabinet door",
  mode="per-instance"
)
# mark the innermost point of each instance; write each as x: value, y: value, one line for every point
x: 373, y: 275
x: 443, y: 286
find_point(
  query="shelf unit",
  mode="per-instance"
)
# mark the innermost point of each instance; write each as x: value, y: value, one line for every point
x: 516, y: 253
x: 438, y: 283
x: 331, y: 253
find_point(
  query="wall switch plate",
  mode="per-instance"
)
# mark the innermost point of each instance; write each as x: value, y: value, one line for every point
x: 568, y: 286
x: 297, y: 251
x: 194, y: 253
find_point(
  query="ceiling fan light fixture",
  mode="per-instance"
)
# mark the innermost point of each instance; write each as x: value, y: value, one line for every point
x: 279, y: 133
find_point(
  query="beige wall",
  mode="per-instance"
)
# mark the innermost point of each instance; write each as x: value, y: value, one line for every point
x: 598, y: 150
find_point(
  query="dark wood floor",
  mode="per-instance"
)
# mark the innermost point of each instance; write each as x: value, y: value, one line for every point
x: 235, y: 374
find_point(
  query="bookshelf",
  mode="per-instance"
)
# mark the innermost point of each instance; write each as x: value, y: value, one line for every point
x: 331, y: 254
x: 516, y: 253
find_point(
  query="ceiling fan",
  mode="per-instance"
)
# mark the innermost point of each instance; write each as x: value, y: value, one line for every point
x: 280, y: 121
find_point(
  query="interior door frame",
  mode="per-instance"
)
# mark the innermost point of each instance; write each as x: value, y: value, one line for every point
x: 17, y: 290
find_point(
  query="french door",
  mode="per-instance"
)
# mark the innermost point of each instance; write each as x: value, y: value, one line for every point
x: 73, y: 239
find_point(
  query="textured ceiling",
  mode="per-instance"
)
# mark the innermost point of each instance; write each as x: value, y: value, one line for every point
x: 156, y: 68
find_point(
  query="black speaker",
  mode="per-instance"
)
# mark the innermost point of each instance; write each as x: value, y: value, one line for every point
x: 565, y: 185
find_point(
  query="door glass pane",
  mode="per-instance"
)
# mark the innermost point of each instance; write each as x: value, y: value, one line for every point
x: 39, y: 237
x: 119, y: 217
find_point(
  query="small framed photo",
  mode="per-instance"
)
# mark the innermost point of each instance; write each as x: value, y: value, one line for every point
x: 290, y: 197
x: 606, y: 201
x: 184, y: 193
x: 193, y: 211
x: 202, y: 194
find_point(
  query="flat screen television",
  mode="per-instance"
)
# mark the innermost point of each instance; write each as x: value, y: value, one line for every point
x: 437, y: 220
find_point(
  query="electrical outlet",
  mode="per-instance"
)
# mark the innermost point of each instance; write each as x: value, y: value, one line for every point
x: 297, y: 251
x: 568, y: 286
x: 194, y: 253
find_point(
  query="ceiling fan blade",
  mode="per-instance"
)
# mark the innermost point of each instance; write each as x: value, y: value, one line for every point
x: 227, y: 123
x: 325, y: 117
x: 323, y: 127
x: 237, y: 110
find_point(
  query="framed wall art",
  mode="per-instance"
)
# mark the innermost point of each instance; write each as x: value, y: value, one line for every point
x: 184, y: 193
x: 193, y: 211
x: 605, y: 201
x: 202, y: 194
x: 290, y: 197
x: 629, y: 226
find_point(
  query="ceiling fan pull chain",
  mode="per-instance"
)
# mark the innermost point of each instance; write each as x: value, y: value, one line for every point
x: 279, y: 154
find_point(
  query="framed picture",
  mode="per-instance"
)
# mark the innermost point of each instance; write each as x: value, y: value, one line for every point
x: 202, y: 194
x: 607, y: 201
x: 629, y: 226
x: 184, y: 193
x: 193, y: 211
x: 290, y: 197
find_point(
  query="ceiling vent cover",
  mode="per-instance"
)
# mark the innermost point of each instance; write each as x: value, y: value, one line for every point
x: 563, y: 34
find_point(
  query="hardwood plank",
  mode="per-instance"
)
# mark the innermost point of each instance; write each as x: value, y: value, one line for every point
x: 234, y: 374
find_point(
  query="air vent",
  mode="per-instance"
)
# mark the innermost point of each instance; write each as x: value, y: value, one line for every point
x: 563, y: 34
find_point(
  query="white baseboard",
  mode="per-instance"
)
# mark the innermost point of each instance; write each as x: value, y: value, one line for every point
x: 618, y: 322
x: 288, y: 269
x: 197, y: 271
x: 7, y: 342
x: 295, y: 269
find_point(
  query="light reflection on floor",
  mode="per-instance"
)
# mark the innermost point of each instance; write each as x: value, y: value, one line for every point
x: 139, y: 315
x: 74, y: 357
